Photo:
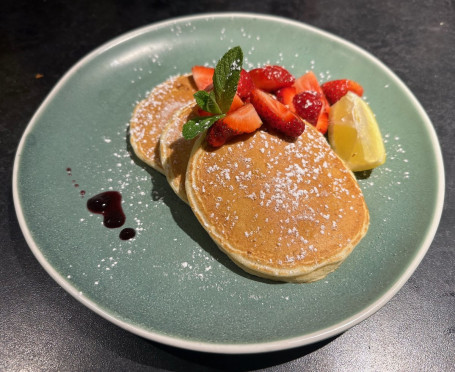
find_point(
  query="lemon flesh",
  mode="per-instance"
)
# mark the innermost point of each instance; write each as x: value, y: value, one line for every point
x: 354, y: 134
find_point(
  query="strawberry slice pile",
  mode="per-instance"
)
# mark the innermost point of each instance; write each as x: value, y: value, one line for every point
x: 312, y: 101
x: 276, y: 115
x: 273, y: 96
x: 242, y: 120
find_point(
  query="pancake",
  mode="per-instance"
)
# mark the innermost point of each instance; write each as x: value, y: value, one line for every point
x: 175, y: 150
x: 151, y: 115
x: 287, y: 211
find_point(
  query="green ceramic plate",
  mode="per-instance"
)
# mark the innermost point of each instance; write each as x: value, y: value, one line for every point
x: 170, y: 283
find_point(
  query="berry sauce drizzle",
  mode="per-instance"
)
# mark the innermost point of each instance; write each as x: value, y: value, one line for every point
x: 109, y: 204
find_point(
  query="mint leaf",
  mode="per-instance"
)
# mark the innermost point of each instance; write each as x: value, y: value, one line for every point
x: 207, y: 102
x: 226, y: 77
x: 197, y: 125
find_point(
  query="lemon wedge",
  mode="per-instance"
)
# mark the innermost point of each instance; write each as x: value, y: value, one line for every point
x: 354, y: 133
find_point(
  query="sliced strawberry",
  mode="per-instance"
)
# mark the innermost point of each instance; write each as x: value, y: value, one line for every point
x: 236, y: 103
x: 285, y: 96
x: 245, y: 85
x: 243, y: 120
x: 201, y: 112
x: 203, y: 76
x: 323, y: 122
x: 209, y: 87
x: 219, y: 133
x: 309, y: 82
x: 276, y: 115
x: 336, y: 89
x: 308, y: 106
x: 271, y: 78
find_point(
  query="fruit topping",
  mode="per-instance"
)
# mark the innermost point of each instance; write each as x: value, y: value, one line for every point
x: 285, y: 96
x: 354, y: 133
x: 271, y: 78
x: 243, y: 120
x: 323, y: 122
x: 232, y: 101
x: 308, y: 105
x: 245, y: 85
x: 203, y: 76
x: 236, y: 103
x: 276, y: 115
x: 309, y: 82
x: 336, y: 89
x: 219, y: 133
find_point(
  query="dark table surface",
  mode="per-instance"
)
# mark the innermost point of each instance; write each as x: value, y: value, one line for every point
x: 44, y: 328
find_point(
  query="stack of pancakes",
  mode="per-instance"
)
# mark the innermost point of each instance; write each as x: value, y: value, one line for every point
x: 287, y: 210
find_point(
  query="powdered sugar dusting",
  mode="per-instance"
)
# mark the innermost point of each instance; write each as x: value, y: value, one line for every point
x: 395, y: 171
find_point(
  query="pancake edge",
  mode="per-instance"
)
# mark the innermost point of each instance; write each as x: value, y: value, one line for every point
x: 167, y: 169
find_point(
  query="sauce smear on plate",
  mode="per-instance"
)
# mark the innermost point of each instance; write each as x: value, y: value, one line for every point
x: 109, y: 204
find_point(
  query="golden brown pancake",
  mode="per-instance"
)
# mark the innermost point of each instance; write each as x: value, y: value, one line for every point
x: 151, y: 115
x: 287, y: 211
x: 175, y: 150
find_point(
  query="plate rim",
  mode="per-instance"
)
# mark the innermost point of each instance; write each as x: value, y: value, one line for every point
x: 232, y: 348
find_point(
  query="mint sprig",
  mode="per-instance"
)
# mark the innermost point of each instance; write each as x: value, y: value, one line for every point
x: 218, y: 101
x: 207, y: 101
x: 226, y: 77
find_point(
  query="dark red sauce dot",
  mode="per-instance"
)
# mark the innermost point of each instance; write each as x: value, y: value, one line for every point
x: 109, y: 204
x: 127, y: 233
